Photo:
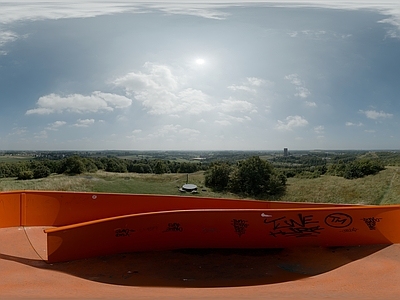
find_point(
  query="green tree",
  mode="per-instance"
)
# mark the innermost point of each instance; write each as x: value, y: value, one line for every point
x: 256, y: 177
x: 40, y: 170
x: 74, y: 165
x: 217, y: 176
x: 159, y: 167
x: 25, y: 175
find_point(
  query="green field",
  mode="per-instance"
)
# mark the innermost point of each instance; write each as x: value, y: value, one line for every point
x: 383, y: 188
x: 14, y: 158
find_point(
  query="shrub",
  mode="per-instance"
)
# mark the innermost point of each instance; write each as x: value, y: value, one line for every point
x: 25, y: 175
x: 217, y: 176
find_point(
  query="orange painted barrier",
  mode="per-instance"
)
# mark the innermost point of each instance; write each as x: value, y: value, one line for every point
x: 91, y: 224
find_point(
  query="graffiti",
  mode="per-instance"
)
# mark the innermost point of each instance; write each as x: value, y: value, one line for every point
x: 349, y: 230
x: 302, y: 226
x: 174, y: 227
x: 240, y: 226
x: 371, y: 222
x: 265, y: 215
x: 338, y: 220
x: 122, y: 232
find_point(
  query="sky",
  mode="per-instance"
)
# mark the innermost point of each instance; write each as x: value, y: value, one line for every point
x: 222, y: 75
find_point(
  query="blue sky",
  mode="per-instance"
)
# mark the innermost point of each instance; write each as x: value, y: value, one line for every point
x: 177, y: 76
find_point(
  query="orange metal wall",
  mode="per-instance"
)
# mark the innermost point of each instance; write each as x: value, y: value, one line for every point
x: 10, y: 209
x: 47, y: 208
x: 91, y: 224
x: 256, y: 228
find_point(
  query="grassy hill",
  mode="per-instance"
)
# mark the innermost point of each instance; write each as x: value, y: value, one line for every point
x: 383, y: 188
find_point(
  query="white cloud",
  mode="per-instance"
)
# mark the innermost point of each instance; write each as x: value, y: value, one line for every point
x: 231, y: 105
x: 12, y: 11
x: 171, y: 131
x: 319, y: 129
x: 373, y: 114
x: 223, y: 122
x: 189, y: 131
x: 301, y: 91
x: 55, y: 125
x: 291, y: 122
x: 41, y: 135
x: 198, y: 9
x: 249, y: 85
x: 311, y: 34
x: 84, y: 123
x: 354, y: 124
x: 163, y: 92
x: 136, y: 131
x: 18, y: 131
x: 311, y: 104
x: 77, y: 103
x: 6, y: 37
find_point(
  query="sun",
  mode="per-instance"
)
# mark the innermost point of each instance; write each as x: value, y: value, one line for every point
x: 200, y: 61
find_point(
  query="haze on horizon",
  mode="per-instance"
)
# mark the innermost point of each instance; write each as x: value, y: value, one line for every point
x: 265, y: 75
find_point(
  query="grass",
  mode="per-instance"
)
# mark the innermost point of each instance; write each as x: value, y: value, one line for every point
x: 383, y: 188
x: 14, y: 158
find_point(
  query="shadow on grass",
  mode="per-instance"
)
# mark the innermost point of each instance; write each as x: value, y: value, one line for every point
x: 207, y: 267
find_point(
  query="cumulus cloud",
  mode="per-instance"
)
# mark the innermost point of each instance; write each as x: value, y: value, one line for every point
x: 319, y: 129
x: 56, y: 125
x: 6, y: 37
x: 198, y: 9
x: 84, y: 123
x: 311, y: 34
x: 223, y: 122
x: 172, y: 130
x: 249, y: 85
x: 12, y: 11
x: 354, y: 124
x: 291, y: 122
x: 374, y: 115
x: 41, y: 135
x: 301, y: 90
x: 77, y: 103
x: 231, y: 105
x: 163, y: 92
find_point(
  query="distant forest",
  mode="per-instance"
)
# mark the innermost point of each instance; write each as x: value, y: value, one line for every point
x: 304, y: 164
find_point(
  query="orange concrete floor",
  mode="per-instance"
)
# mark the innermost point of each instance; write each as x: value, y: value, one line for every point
x: 367, y: 272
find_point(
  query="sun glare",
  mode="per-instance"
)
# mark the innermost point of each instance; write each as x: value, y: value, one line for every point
x: 200, y: 61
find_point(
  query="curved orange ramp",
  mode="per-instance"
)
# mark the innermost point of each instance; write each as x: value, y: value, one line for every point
x: 92, y: 224
x: 225, y: 228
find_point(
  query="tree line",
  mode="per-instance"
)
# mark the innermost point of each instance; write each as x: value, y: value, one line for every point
x: 75, y: 164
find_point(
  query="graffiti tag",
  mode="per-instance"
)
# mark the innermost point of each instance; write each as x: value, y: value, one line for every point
x: 371, y: 222
x: 174, y: 227
x: 301, y: 226
x: 240, y: 226
x: 349, y: 230
x: 338, y: 220
x: 122, y: 232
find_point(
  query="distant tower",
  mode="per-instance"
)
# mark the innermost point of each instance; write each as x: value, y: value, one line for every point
x: 285, y: 152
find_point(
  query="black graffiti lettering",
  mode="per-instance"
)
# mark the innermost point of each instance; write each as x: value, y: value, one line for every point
x: 302, y: 226
x: 240, y: 226
x: 371, y: 222
x: 349, y: 230
x: 122, y: 232
x: 174, y: 227
x: 338, y: 220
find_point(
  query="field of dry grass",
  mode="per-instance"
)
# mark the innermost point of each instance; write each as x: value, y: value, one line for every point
x: 383, y: 188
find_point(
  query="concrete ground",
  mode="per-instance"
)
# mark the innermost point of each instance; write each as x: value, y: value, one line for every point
x: 366, y: 272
